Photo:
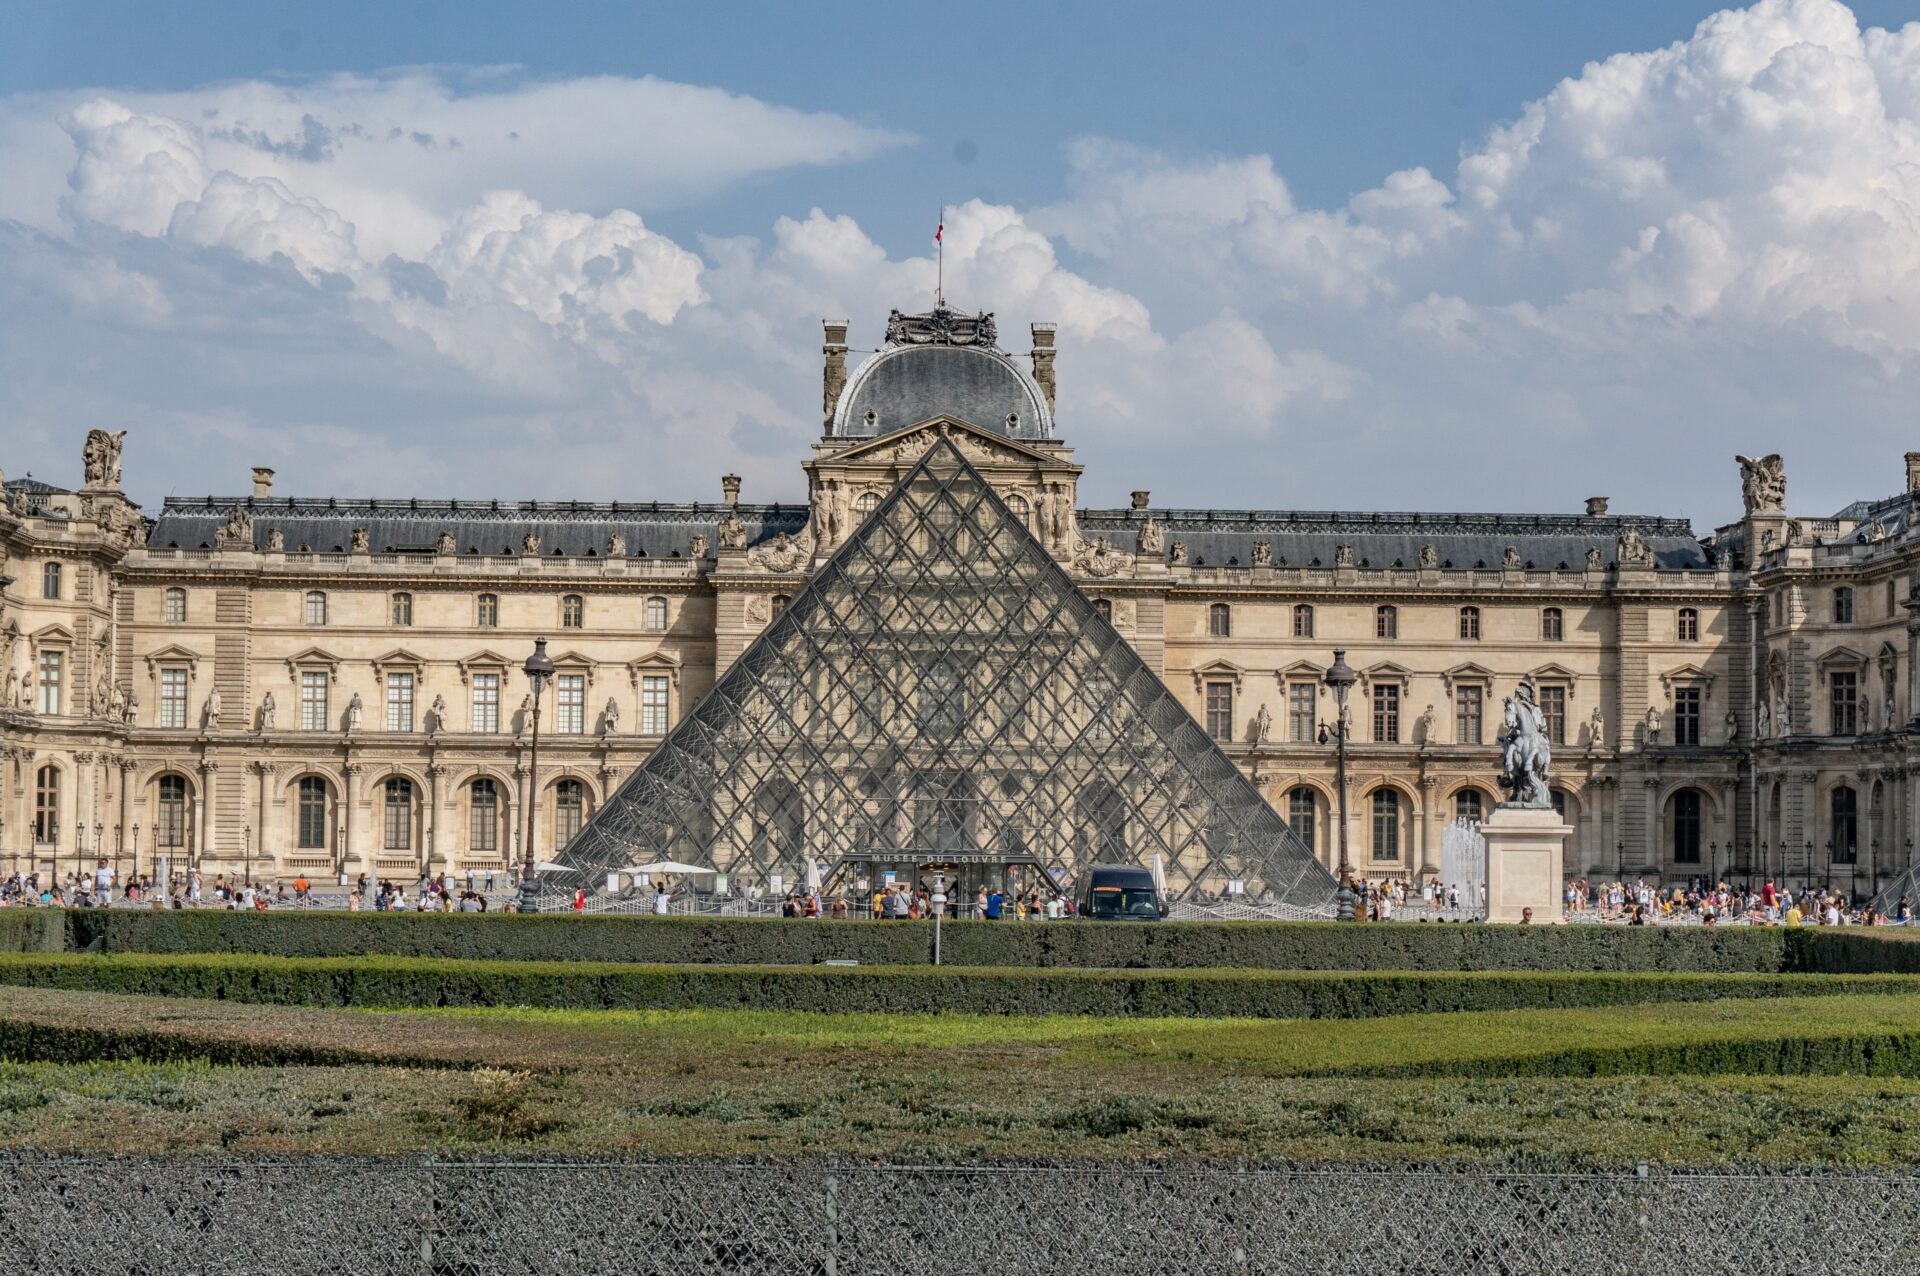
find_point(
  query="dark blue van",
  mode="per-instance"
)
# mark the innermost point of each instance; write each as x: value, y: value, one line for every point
x: 1117, y: 894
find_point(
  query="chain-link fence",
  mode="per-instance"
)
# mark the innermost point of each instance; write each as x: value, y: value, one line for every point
x: 818, y: 1218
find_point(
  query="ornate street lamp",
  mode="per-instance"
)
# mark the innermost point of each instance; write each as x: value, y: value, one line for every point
x: 539, y: 668
x: 246, y: 834
x: 1713, y: 862
x: 1341, y: 678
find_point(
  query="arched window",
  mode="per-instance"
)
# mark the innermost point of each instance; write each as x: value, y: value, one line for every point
x: 1386, y: 824
x: 1686, y: 826
x: 1104, y: 606
x: 46, y: 806
x: 780, y: 602
x: 316, y: 608
x: 1016, y: 506
x: 401, y: 609
x: 866, y: 503
x: 1559, y: 799
x: 1552, y: 625
x: 1687, y: 625
x: 313, y: 814
x: 1470, y: 804
x: 657, y: 614
x: 176, y: 606
x: 569, y: 810
x: 1300, y: 814
x: 483, y: 823
x: 1845, y: 807
x: 1386, y: 622
x: 1302, y: 621
x: 573, y: 611
x: 399, y: 814
x: 1470, y: 624
x: 50, y: 581
x: 1219, y: 621
x: 170, y: 822
x: 486, y: 611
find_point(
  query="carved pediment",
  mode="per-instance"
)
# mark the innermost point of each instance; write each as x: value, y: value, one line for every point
x: 485, y: 660
x: 1841, y: 657
x: 1299, y: 671
x: 982, y: 447
x: 50, y: 633
x: 571, y: 661
x: 174, y: 654
x: 1688, y: 674
x: 656, y: 663
x: 1386, y: 671
x: 400, y: 659
x: 1218, y: 671
x: 310, y: 658
x: 1469, y: 672
x: 1553, y: 673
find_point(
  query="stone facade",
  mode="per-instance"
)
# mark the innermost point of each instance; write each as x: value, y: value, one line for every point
x: 330, y: 686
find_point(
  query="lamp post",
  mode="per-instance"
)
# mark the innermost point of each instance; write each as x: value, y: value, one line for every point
x: 246, y: 843
x: 136, y: 850
x: 119, y: 842
x: 1829, y: 866
x: 79, y: 850
x: 1341, y: 678
x: 539, y: 668
x: 1713, y: 861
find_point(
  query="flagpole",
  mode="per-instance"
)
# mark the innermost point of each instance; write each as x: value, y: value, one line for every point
x: 940, y: 258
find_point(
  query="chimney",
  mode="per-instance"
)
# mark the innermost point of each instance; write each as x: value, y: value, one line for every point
x: 1043, y: 360
x: 1596, y: 506
x: 730, y: 488
x: 1140, y: 499
x: 834, y: 377
x: 1913, y: 471
x: 262, y: 482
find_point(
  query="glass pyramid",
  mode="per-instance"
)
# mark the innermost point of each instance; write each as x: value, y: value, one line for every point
x: 942, y: 692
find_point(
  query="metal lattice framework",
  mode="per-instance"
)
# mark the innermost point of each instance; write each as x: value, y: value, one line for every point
x: 941, y: 689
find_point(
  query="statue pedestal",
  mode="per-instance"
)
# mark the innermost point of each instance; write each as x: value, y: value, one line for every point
x: 1526, y: 849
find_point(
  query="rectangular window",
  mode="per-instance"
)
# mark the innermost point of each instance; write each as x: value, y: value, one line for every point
x: 1386, y: 713
x: 1469, y: 705
x: 1300, y: 712
x: 53, y: 666
x: 1552, y: 626
x: 313, y: 699
x: 1220, y: 710
x: 486, y: 611
x: 1553, y: 707
x: 570, y: 703
x: 1686, y: 715
x: 653, y: 705
x: 399, y: 702
x: 173, y: 698
x: 486, y: 703
x: 1846, y: 702
x: 1843, y: 606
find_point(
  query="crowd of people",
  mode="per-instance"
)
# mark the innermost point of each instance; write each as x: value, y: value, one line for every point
x: 897, y: 901
x: 1639, y: 903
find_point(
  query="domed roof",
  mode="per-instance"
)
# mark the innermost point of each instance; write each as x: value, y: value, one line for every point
x: 941, y: 364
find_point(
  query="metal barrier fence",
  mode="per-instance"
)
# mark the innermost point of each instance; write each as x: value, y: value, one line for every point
x: 98, y: 1216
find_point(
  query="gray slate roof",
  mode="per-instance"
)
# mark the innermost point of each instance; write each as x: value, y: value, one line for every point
x: 653, y: 529
x: 1306, y: 538
x: 909, y: 384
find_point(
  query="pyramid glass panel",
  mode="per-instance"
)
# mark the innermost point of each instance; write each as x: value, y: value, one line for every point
x: 942, y: 693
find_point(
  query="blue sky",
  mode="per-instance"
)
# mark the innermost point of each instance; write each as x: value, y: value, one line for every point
x: 1253, y: 225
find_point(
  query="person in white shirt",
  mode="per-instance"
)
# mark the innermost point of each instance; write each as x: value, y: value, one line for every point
x: 662, y: 899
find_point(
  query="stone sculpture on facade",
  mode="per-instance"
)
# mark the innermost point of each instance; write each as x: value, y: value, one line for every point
x: 616, y: 546
x: 530, y: 543
x: 784, y: 553
x: 1510, y: 559
x: 100, y: 458
x: 238, y: 529
x: 1425, y: 728
x: 1527, y: 756
x: 1429, y: 556
x: 1262, y: 725
x: 355, y: 711
x: 437, y: 715
x: 1263, y: 553
x: 733, y: 532
x: 268, y: 712
x: 1631, y: 549
x: 941, y: 326
x: 1596, y: 730
x: 1098, y: 557
x: 133, y: 707
x: 1343, y: 555
x: 443, y: 543
x: 276, y: 540
x: 1652, y: 726
x: 1594, y: 558
x: 523, y: 717
x: 1763, y: 483
x: 1177, y: 553
x: 610, y: 717
x: 357, y: 540
x: 210, y: 713
x: 697, y: 547
x: 1151, y: 538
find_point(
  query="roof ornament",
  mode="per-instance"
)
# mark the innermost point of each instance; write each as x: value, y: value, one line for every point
x: 941, y: 326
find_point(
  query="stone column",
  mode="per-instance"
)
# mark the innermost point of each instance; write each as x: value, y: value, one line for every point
x: 349, y: 807
x: 432, y: 839
x: 519, y: 813
x: 203, y: 813
x: 267, y: 863
x: 1429, y: 861
x: 1652, y: 854
x: 125, y: 827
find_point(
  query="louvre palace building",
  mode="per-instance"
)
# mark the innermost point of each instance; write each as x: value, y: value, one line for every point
x: 942, y: 657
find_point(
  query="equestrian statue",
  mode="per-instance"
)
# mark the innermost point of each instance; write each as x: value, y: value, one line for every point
x: 1526, y: 755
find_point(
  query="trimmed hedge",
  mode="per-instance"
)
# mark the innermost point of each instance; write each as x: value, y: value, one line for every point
x: 1083, y: 945
x: 433, y: 982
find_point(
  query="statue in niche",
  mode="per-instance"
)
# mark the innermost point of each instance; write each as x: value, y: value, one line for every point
x: 610, y: 717
x: 733, y: 533
x: 116, y: 704
x: 437, y: 715
x: 1763, y: 482
x: 210, y: 714
x: 1151, y: 538
x: 1762, y: 717
x: 1732, y: 723
x: 443, y: 543
x: 355, y: 711
x: 1263, y: 553
x: 697, y: 547
x: 1429, y: 556
x: 1596, y: 730
x: 100, y: 458
x: 1426, y: 726
x: 1653, y: 726
x: 357, y: 540
x: 1262, y: 725
x: 616, y: 546
x: 523, y: 717
x: 268, y: 712
x: 276, y: 540
x: 99, y: 705
x: 133, y: 707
